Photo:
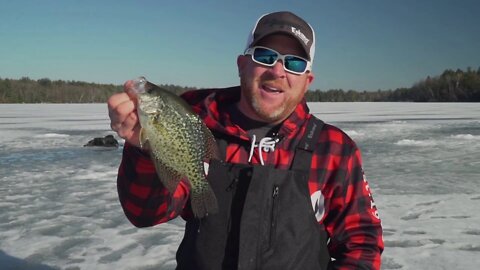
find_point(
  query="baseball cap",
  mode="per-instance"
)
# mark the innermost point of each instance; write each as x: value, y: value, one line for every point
x: 284, y: 22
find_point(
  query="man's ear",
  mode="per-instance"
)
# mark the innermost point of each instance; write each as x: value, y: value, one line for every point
x: 310, y: 79
x: 241, y: 62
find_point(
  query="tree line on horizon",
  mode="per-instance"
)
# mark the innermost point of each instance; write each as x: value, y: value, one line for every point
x: 26, y: 90
x: 450, y: 86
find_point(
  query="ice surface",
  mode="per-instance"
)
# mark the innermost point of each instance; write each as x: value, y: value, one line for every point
x: 59, y: 207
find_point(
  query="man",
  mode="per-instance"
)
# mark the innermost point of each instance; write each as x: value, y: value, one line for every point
x: 290, y: 188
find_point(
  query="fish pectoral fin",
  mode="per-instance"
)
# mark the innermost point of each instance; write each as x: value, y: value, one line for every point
x: 143, y: 139
x: 168, y: 176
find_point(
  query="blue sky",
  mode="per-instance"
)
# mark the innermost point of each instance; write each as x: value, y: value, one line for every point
x: 361, y: 45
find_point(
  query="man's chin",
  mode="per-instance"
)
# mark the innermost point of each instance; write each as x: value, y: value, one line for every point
x: 270, y: 115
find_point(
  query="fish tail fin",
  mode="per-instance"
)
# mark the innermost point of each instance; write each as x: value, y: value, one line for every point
x: 204, y: 202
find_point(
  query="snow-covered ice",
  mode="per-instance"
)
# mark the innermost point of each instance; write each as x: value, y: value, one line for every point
x: 59, y: 207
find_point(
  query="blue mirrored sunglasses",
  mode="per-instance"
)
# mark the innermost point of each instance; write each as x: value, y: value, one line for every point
x: 268, y: 57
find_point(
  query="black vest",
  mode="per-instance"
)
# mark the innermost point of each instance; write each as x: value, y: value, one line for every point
x: 265, y: 220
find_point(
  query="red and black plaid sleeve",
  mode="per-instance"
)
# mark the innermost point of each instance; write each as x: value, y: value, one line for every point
x: 351, y: 218
x: 145, y: 201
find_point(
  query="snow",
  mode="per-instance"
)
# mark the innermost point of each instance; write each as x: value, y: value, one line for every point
x: 59, y: 207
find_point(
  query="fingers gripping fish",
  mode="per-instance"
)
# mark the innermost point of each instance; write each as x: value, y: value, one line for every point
x: 178, y: 142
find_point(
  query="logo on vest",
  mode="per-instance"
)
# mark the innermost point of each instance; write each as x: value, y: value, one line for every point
x: 318, y: 204
x: 206, y: 166
x: 373, y: 206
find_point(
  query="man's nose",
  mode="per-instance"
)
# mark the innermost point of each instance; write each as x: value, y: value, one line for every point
x: 278, y: 69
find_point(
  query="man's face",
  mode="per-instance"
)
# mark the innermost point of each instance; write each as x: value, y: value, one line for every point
x: 270, y: 94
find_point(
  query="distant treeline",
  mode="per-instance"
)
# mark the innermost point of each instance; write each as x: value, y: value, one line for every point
x: 450, y: 86
x: 26, y: 90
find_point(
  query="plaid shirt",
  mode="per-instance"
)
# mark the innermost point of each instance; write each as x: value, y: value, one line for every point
x: 350, y: 216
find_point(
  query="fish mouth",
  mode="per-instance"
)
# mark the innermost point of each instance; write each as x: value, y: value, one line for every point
x: 136, y: 86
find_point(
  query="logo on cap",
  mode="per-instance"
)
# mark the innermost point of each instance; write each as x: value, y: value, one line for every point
x: 300, y: 35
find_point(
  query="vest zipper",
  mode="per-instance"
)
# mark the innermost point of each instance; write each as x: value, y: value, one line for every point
x: 273, y: 217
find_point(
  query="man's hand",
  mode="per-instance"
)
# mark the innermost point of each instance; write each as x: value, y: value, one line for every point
x: 123, y: 116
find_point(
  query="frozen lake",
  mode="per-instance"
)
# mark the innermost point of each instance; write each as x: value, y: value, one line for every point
x: 59, y: 206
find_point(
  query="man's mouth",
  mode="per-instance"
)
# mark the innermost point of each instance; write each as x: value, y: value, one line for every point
x: 272, y: 89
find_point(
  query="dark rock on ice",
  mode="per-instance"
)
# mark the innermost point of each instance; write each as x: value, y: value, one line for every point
x: 107, y: 141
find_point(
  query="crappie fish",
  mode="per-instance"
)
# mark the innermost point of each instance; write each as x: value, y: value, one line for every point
x: 178, y: 141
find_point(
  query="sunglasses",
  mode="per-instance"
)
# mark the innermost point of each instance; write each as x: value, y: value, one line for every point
x: 268, y: 57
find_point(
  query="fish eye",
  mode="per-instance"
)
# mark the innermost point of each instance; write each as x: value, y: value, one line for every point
x: 149, y: 87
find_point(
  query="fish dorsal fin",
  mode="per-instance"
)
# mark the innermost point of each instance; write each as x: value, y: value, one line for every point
x: 212, y: 151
